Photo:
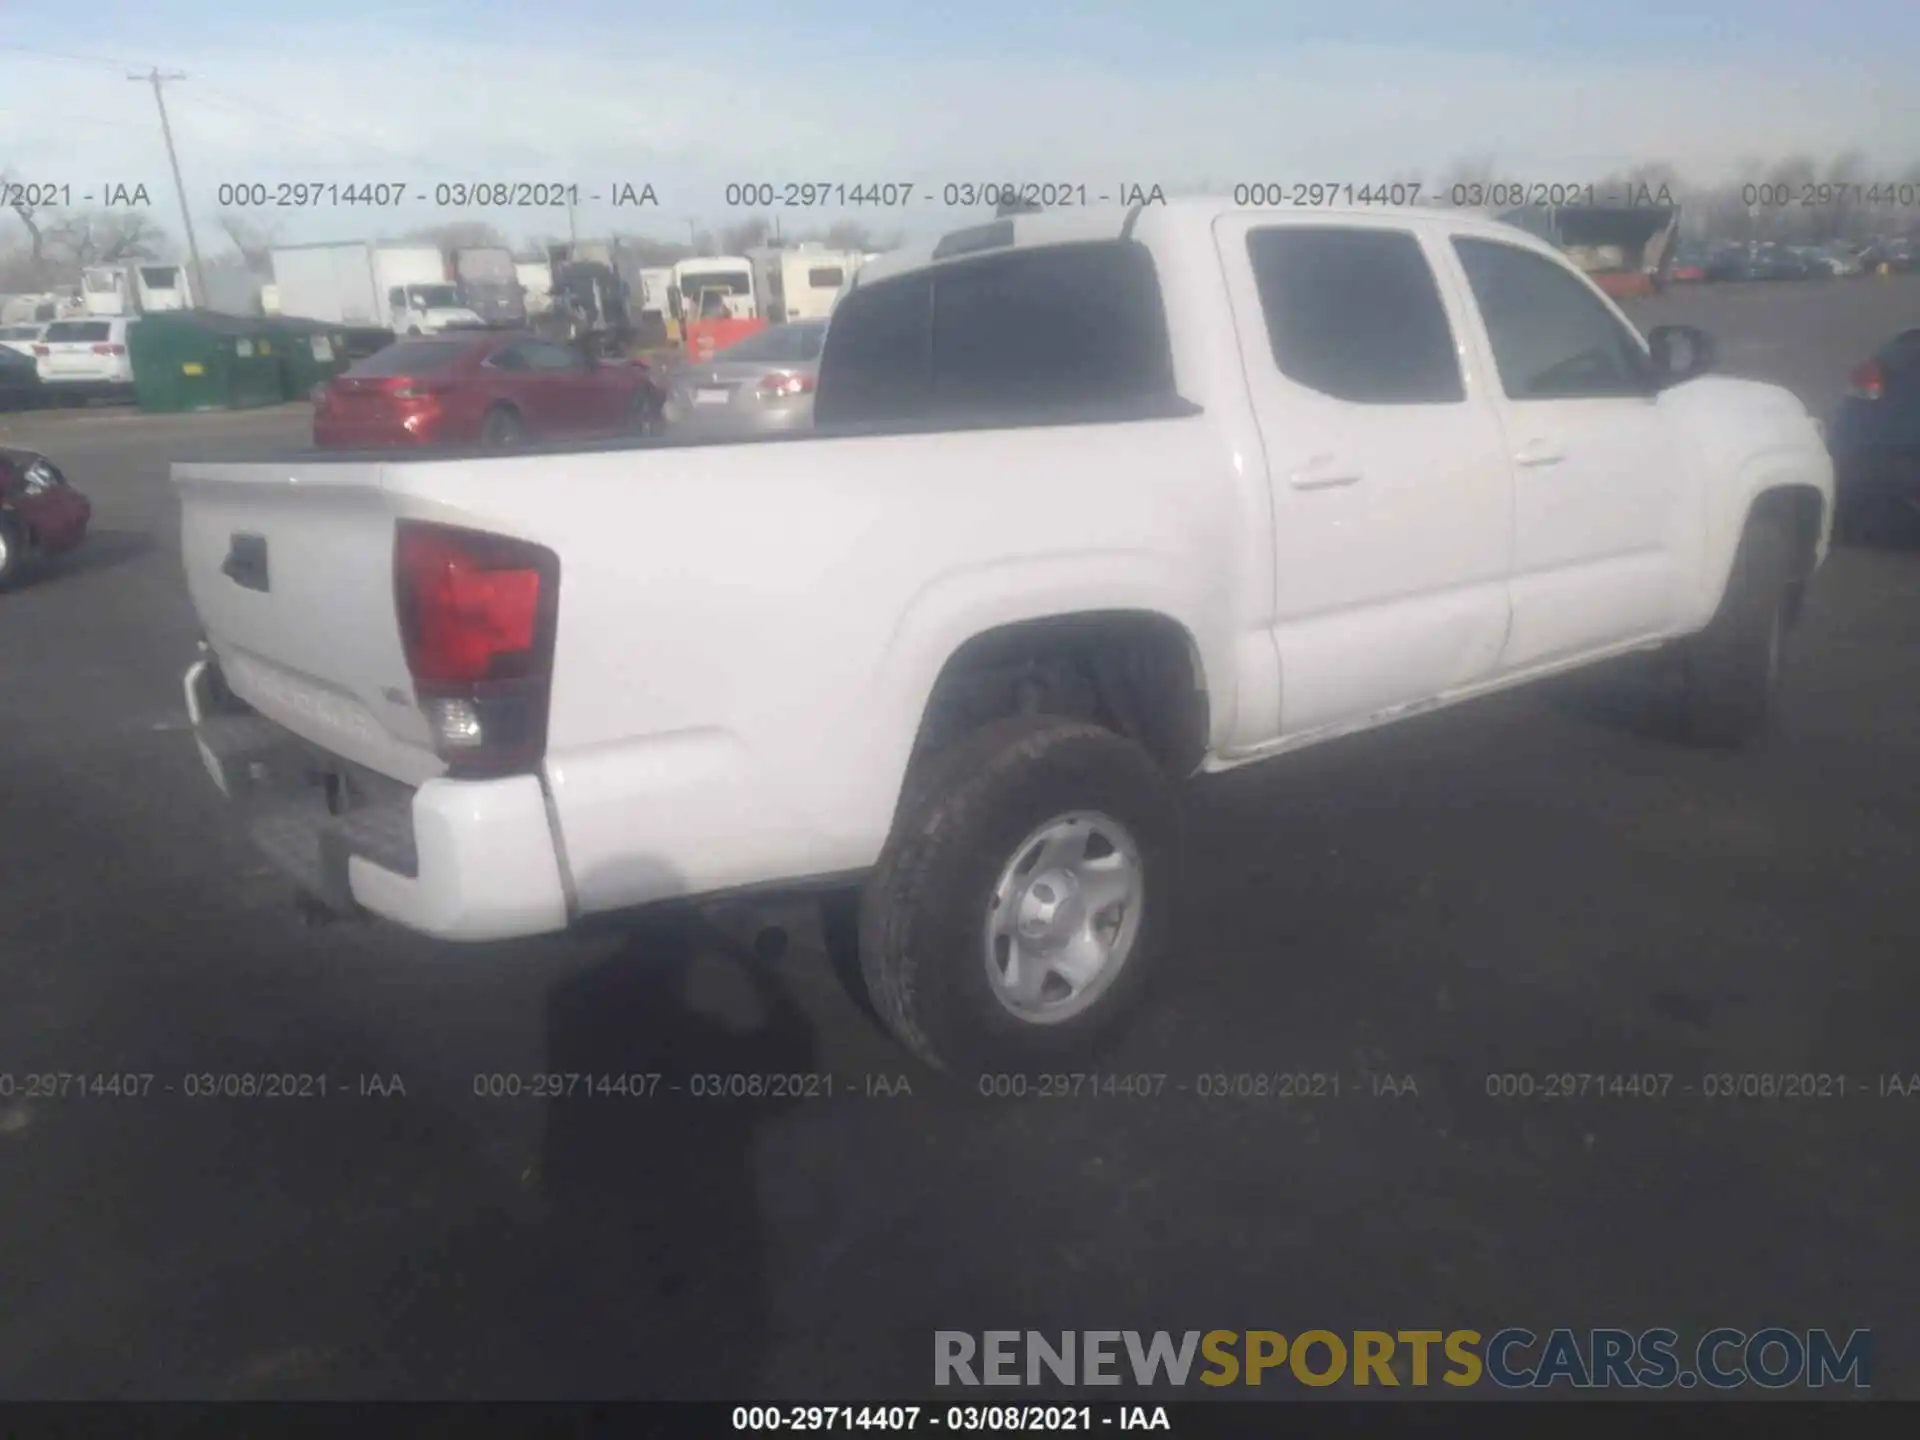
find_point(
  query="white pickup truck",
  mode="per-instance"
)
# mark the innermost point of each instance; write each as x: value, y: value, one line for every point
x: 1097, y: 500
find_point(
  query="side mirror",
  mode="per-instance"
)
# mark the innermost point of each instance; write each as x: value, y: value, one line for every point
x: 1679, y: 353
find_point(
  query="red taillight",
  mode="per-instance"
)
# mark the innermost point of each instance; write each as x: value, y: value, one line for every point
x: 42, y: 350
x: 408, y: 388
x: 779, y: 387
x: 1868, y: 381
x: 109, y: 349
x: 477, y: 616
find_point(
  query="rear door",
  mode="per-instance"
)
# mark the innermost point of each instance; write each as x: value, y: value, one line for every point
x: 269, y: 552
x: 505, y: 376
x: 1600, y: 516
x: 1392, y: 492
x: 556, y: 382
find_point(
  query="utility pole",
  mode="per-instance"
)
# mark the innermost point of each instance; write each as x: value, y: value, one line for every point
x: 693, y: 233
x: 573, y: 234
x: 156, y: 79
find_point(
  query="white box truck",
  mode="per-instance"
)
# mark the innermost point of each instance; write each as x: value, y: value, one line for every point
x: 136, y: 288
x: 403, y: 288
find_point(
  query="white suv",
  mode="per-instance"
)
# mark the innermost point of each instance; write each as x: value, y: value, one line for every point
x: 86, y: 356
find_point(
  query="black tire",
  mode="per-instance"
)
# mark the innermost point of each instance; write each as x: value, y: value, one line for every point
x: 1730, y: 670
x: 501, y: 430
x: 923, y: 919
x: 13, y: 551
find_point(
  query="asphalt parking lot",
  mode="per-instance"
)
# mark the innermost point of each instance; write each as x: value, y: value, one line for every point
x: 1524, y: 884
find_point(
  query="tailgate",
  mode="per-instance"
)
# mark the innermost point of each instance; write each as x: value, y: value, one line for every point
x: 77, y: 359
x: 290, y: 566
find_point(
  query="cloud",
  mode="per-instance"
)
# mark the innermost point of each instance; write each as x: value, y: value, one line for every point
x: 350, y: 105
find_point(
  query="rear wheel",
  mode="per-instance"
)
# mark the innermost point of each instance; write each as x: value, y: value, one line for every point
x: 1732, y: 668
x: 501, y: 429
x: 1017, y: 911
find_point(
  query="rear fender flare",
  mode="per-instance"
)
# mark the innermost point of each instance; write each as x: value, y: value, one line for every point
x: 964, y: 604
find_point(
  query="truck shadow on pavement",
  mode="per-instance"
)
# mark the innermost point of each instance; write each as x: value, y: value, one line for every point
x: 1637, y: 696
x: 642, y: 1276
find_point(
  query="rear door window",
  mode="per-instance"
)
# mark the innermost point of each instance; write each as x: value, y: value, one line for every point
x: 1355, y: 313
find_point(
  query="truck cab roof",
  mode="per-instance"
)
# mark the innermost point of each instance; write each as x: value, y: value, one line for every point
x: 1185, y: 214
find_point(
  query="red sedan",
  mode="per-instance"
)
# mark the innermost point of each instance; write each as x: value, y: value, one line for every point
x: 495, y: 389
x: 40, y: 513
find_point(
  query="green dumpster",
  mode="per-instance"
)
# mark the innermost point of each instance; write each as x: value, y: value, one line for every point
x: 187, y: 360
x: 310, y: 352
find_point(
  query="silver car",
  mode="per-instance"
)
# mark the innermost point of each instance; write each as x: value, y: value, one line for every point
x: 762, y: 385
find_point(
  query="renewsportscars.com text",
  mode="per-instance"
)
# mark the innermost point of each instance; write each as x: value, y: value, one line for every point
x: 1772, y: 1358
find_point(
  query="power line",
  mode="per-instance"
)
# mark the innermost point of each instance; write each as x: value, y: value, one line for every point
x: 239, y: 104
x: 66, y: 57
x: 63, y: 118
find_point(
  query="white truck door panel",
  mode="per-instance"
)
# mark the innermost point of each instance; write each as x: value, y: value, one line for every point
x: 1598, y: 477
x: 1392, y: 491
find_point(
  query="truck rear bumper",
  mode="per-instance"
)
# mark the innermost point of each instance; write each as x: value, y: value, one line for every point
x: 456, y: 859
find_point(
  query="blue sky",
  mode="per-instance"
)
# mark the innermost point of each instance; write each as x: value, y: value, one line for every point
x: 1079, y: 91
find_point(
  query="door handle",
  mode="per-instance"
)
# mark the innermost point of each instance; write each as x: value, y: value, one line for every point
x: 1536, y: 453
x: 1324, y: 472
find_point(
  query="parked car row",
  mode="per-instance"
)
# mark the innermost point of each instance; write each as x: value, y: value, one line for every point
x: 499, y: 389
x: 1697, y: 261
x: 66, y: 359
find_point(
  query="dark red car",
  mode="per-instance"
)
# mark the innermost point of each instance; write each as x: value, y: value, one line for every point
x: 496, y: 389
x: 40, y: 513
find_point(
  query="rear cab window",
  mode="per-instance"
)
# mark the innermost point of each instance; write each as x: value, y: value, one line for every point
x: 1048, y: 334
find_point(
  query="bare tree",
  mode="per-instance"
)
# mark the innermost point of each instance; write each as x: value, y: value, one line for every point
x: 652, y: 252
x: 849, y: 235
x: 253, y: 239
x: 1465, y: 179
x: 102, y: 237
x: 36, y: 236
x: 458, y: 235
x: 746, y: 235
